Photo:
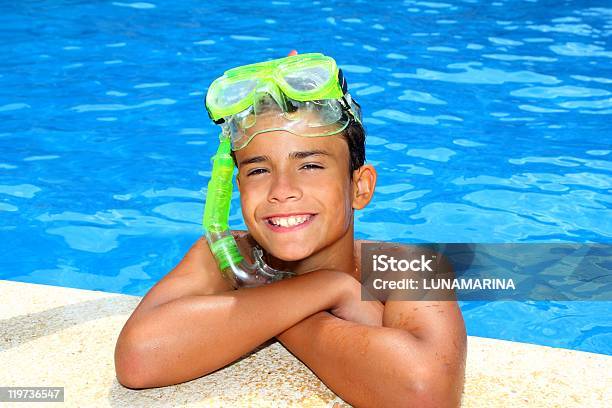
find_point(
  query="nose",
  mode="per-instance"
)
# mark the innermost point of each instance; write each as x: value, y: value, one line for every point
x: 284, y: 187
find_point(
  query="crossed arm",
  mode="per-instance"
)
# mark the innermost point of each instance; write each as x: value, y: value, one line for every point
x: 417, y: 358
x: 191, y: 323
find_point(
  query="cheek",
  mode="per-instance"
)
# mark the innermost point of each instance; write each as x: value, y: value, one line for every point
x: 246, y: 205
x: 251, y: 197
x: 337, y: 198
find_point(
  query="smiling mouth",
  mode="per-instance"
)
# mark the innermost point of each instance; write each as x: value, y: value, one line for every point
x: 290, y: 221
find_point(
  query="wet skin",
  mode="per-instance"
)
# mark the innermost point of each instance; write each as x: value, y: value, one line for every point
x: 192, y: 323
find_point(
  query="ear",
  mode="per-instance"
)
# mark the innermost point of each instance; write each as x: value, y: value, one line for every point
x: 364, y: 182
x: 238, y: 180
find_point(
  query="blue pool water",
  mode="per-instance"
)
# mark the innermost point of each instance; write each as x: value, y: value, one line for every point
x: 487, y: 122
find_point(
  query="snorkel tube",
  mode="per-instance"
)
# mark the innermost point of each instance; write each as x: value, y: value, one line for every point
x: 232, y: 264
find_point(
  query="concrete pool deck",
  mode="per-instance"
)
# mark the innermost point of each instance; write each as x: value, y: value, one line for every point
x: 56, y: 336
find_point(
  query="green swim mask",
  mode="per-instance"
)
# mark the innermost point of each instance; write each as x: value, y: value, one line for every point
x: 303, y: 94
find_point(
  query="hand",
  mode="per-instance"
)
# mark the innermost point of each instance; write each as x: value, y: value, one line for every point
x: 352, y: 308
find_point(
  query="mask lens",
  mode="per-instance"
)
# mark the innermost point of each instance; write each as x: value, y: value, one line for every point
x: 308, y: 79
x: 232, y: 93
x: 238, y: 126
x: 246, y: 118
x: 316, y: 113
x: 312, y: 118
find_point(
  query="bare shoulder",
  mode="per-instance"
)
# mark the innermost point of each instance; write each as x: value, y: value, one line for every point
x: 436, y: 320
x: 423, y: 318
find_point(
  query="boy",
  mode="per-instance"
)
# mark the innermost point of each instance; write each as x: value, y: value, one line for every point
x: 301, y: 176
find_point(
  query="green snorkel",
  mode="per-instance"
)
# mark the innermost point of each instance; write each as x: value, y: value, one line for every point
x: 232, y: 264
x: 307, y: 96
x: 217, y: 208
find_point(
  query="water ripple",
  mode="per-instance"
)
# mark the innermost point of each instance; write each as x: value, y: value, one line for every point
x: 118, y: 223
x: 511, y: 57
x: 542, y: 181
x: 173, y: 192
x: 8, y: 207
x: 396, y: 56
x: 598, y: 152
x: 577, y: 29
x: 538, y: 40
x: 598, y: 104
x: 121, y: 107
x: 414, y: 169
x: 370, y: 90
x: 20, y: 190
x: 432, y: 4
x: 504, y: 41
x: 467, y: 143
x: 137, y: 5
x: 439, y: 154
x: 539, y: 207
x: 563, y: 161
x: 193, y: 131
x: 116, y: 93
x: 471, y: 75
x: 481, y: 225
x: 248, y: 38
x: 539, y: 109
x: 39, y: 158
x: 403, y: 117
x: 592, y: 79
x: 186, y: 212
x: 575, y: 49
x: 356, y: 69
x: 442, y: 49
x: 566, y: 91
x: 423, y: 97
x: 13, y: 107
x: 152, y: 85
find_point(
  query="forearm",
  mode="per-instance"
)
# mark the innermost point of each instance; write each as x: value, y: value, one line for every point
x: 194, y: 335
x: 365, y: 365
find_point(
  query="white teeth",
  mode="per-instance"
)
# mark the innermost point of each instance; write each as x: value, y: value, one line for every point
x: 289, y: 221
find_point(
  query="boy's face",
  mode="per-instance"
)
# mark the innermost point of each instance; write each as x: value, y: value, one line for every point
x: 296, y: 193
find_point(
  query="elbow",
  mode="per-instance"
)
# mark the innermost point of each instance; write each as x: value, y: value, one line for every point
x: 431, y: 387
x: 129, y: 363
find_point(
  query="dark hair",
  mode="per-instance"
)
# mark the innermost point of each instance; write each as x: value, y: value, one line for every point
x: 354, y: 135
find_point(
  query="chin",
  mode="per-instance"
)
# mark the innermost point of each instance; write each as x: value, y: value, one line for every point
x: 289, y: 253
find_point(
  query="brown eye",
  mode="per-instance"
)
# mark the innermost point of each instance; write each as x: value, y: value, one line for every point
x: 255, y: 172
x: 312, y: 166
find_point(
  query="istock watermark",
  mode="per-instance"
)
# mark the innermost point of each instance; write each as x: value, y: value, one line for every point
x: 559, y: 271
x: 384, y: 263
